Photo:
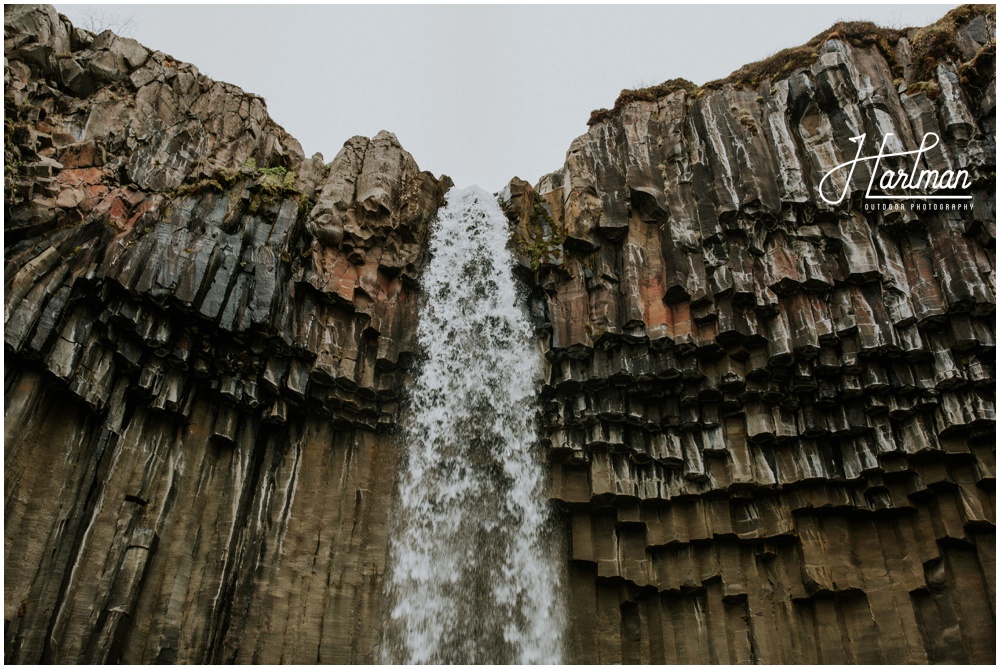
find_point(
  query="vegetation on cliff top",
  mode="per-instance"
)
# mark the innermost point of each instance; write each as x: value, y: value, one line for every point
x: 929, y: 46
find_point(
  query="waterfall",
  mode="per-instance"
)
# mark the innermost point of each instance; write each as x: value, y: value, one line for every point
x: 473, y: 576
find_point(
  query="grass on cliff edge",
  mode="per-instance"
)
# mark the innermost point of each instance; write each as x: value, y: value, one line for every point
x: 929, y: 46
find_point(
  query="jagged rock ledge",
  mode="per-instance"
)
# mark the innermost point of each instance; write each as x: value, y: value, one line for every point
x: 163, y: 222
x: 767, y: 412
x: 199, y: 322
x: 771, y: 420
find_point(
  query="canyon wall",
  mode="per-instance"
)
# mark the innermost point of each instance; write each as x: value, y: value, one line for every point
x: 770, y: 420
x: 204, y: 333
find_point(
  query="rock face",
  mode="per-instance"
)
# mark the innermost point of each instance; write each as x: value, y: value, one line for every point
x: 771, y: 419
x: 203, y: 333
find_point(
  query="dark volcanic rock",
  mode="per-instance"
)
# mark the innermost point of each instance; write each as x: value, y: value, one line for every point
x: 204, y: 336
x: 771, y: 419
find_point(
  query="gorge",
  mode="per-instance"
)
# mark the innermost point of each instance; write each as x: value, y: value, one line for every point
x: 722, y: 419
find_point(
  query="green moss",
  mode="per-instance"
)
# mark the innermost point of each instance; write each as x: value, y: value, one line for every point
x: 227, y: 178
x: 203, y: 186
x: 306, y: 204
x: 279, y: 172
x: 929, y: 88
x: 271, y: 183
x: 274, y: 185
x: 537, y: 250
x: 527, y: 248
x: 543, y: 239
x: 541, y: 213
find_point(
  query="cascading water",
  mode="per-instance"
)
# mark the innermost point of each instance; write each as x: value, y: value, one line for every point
x: 473, y: 576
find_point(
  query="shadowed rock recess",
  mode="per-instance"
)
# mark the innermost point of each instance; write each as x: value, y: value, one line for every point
x: 770, y: 421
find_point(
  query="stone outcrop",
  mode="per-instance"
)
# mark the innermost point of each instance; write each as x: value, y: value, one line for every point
x: 204, y: 333
x: 770, y: 419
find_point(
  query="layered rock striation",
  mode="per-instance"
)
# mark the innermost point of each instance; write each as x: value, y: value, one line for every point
x: 770, y: 419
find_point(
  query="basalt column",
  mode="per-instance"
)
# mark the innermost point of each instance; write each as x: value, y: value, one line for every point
x: 204, y: 337
x: 765, y: 420
x: 772, y: 419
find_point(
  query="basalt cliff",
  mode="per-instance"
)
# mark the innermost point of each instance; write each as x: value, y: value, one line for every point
x: 769, y: 420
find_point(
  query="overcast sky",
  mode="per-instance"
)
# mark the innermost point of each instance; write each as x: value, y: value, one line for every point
x: 481, y: 93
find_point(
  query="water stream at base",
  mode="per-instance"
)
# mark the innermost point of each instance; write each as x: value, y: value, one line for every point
x: 473, y: 577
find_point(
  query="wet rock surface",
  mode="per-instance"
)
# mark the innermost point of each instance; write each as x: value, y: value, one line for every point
x: 771, y: 420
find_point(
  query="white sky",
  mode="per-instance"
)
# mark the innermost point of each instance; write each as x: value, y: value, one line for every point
x: 481, y: 93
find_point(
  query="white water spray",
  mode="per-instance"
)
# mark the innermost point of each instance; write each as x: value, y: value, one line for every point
x: 473, y: 577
